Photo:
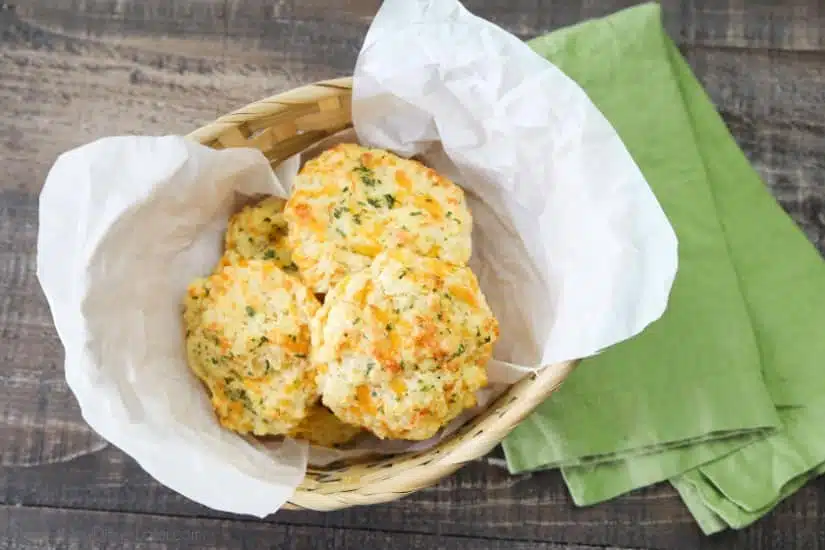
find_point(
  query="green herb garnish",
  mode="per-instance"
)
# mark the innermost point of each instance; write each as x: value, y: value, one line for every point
x: 458, y: 352
x: 366, y: 175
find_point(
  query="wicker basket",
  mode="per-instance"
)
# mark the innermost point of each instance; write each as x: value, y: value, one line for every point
x: 288, y: 123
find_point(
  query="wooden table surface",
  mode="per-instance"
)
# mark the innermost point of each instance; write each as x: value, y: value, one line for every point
x: 75, y: 70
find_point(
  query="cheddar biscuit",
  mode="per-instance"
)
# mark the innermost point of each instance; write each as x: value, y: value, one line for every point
x: 248, y: 340
x: 352, y: 202
x: 258, y: 232
x: 323, y: 428
x: 402, y: 346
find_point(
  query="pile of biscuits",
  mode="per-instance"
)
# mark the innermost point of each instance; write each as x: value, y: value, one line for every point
x: 347, y: 308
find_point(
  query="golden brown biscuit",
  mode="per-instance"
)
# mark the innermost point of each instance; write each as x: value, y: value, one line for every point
x: 258, y: 232
x: 402, y: 346
x: 323, y: 428
x: 248, y: 340
x: 351, y: 202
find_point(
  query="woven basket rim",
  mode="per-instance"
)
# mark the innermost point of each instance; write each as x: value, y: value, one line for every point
x: 280, y: 126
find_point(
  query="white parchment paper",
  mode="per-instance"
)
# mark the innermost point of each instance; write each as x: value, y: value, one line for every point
x: 570, y: 246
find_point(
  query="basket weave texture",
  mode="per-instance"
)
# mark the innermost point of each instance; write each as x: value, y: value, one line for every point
x: 286, y: 124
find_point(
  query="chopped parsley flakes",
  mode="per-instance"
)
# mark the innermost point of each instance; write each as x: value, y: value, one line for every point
x: 367, y: 176
x: 458, y: 352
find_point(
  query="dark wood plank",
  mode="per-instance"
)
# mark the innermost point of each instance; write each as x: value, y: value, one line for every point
x: 313, y: 28
x: 779, y: 25
x: 39, y: 418
x: 481, y: 500
x: 59, y: 92
x: 44, y: 528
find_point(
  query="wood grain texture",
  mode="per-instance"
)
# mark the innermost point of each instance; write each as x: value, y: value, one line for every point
x: 39, y: 418
x: 311, y: 28
x: 74, y: 70
x: 797, y: 25
x: 479, y: 501
x: 44, y: 528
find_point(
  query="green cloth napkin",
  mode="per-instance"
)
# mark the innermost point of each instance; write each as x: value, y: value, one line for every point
x: 783, y: 280
x: 740, y: 488
x: 695, y: 375
x: 780, y: 280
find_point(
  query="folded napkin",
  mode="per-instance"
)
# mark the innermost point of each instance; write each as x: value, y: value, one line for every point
x: 783, y: 280
x: 637, y: 437
x: 695, y: 374
x: 739, y: 488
